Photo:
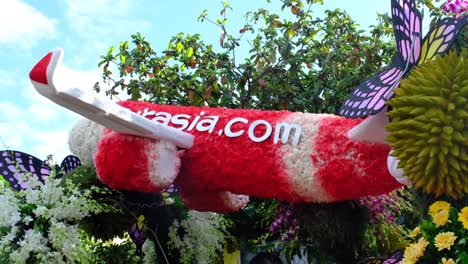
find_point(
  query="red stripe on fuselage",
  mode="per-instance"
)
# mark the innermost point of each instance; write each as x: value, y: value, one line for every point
x: 353, y: 168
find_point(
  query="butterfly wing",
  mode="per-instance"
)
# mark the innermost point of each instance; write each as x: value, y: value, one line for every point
x: 440, y: 37
x: 407, y: 27
x: 370, y: 96
x: 395, y: 258
x: 138, y: 235
x: 15, y: 163
x: 371, y: 260
x: 70, y: 163
x: 171, y: 189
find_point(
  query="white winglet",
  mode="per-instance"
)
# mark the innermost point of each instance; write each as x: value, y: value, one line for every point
x: 47, y: 80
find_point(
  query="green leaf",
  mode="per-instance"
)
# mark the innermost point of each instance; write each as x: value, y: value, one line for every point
x: 290, y: 33
x: 122, y: 58
x: 462, y: 241
x: 110, y: 51
x: 463, y: 257
x: 123, y: 45
x: 179, y: 46
x: 202, y: 16
x: 4, y: 182
x: 429, y: 4
x: 189, y: 52
x: 101, y: 63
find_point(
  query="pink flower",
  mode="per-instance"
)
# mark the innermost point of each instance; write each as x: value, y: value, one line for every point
x: 456, y: 7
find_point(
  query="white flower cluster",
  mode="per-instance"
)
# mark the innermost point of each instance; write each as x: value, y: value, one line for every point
x: 39, y: 222
x: 149, y: 252
x: 9, y: 207
x: 204, y: 236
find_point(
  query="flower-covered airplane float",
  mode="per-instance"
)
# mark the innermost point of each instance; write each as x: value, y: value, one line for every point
x: 217, y: 157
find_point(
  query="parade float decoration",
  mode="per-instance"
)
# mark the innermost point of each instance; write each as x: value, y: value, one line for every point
x: 217, y: 157
x: 232, y: 152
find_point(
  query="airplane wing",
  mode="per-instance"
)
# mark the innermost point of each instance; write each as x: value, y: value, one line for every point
x: 47, y: 80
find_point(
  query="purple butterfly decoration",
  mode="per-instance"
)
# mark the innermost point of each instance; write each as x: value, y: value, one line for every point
x: 170, y: 191
x: 395, y: 258
x: 15, y: 163
x: 370, y: 96
x: 138, y: 235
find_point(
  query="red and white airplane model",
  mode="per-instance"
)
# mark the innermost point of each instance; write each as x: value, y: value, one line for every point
x: 229, y: 154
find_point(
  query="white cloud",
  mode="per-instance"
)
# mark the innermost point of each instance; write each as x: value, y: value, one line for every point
x: 6, y: 78
x: 40, y: 140
x: 90, y: 15
x: 11, y: 134
x: 23, y: 25
x: 97, y: 25
x: 51, y: 142
x: 11, y: 109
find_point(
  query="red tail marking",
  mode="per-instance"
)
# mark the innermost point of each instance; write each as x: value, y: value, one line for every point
x: 39, y: 72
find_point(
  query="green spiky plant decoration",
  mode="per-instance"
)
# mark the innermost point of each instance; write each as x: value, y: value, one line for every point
x: 429, y: 128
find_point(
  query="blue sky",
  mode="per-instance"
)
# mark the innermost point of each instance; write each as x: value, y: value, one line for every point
x: 86, y: 29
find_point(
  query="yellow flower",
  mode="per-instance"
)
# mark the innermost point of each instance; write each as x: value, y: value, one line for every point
x: 438, y: 206
x: 463, y: 217
x: 414, y: 251
x: 445, y: 240
x: 416, y: 232
x: 448, y: 261
x: 441, y: 218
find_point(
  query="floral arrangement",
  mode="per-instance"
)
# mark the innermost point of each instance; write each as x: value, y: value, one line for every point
x: 74, y: 219
x: 384, y: 233
x: 199, y: 238
x: 40, y: 223
x: 48, y: 222
x: 441, y: 238
x: 284, y: 223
